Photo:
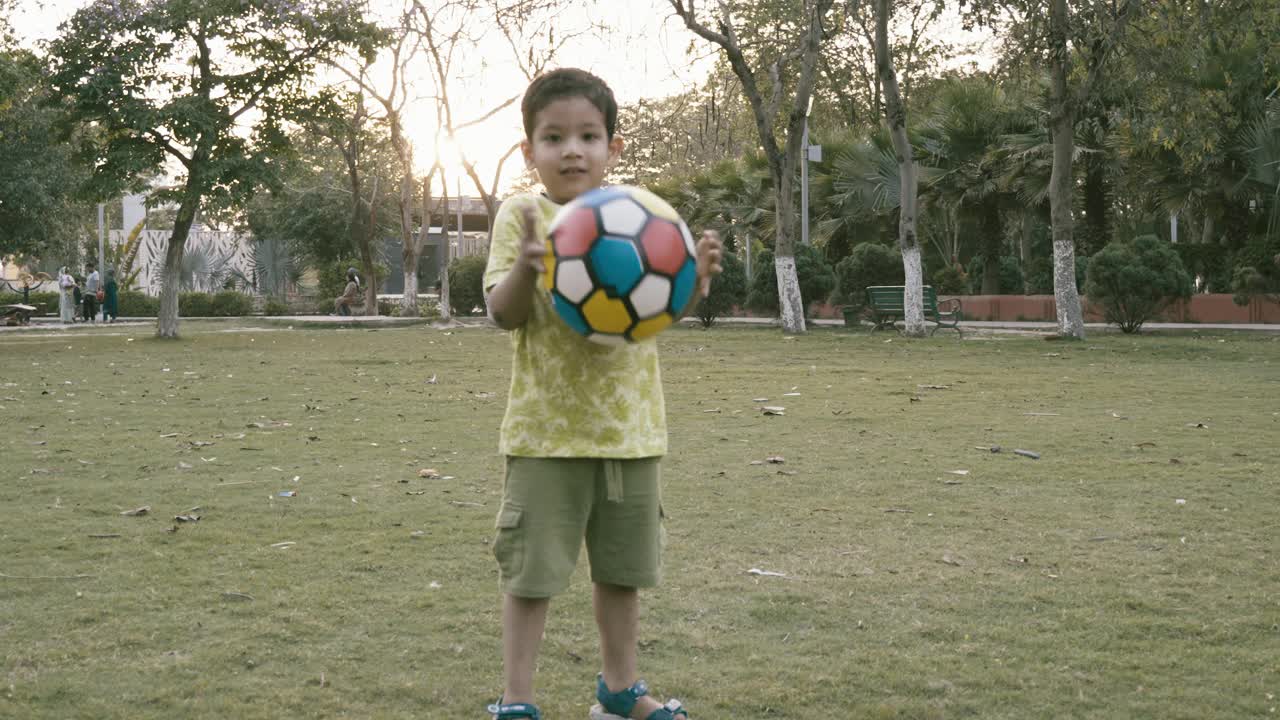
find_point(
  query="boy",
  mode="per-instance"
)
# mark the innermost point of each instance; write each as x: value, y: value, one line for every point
x: 585, y: 426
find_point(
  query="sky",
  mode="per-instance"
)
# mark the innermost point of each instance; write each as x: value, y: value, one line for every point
x: 644, y: 53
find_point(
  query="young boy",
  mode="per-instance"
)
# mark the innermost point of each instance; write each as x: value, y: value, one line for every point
x: 585, y: 426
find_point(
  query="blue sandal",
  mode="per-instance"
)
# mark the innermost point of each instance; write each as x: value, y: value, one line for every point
x: 514, y: 711
x: 620, y: 704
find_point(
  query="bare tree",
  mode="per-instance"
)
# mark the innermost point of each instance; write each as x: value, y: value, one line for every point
x: 783, y: 156
x: 393, y: 100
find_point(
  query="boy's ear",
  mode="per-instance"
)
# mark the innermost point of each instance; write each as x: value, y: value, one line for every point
x: 526, y: 149
x: 616, y: 146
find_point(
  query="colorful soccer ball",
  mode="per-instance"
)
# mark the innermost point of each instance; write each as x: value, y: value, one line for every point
x: 620, y: 264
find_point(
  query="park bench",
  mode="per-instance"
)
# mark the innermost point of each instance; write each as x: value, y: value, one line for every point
x: 17, y: 314
x: 885, y: 303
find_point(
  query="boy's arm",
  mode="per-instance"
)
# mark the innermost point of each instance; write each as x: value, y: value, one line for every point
x: 708, y: 254
x: 511, y: 298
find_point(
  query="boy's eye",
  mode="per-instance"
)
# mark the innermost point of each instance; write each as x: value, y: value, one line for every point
x: 552, y: 137
x: 589, y: 136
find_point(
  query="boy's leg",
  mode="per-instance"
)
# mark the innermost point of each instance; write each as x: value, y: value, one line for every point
x: 618, y: 618
x: 523, y: 622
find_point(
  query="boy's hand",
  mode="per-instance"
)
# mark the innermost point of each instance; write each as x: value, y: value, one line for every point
x: 709, y: 252
x: 532, y: 248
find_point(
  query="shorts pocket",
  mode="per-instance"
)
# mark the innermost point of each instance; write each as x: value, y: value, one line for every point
x: 508, y: 547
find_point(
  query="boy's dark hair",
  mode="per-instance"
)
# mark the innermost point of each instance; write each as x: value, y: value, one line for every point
x: 565, y: 83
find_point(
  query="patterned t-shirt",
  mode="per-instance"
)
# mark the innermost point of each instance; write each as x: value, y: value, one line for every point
x: 571, y: 397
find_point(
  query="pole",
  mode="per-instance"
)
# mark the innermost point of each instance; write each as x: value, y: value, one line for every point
x: 804, y: 184
x: 102, y: 246
x: 1173, y: 228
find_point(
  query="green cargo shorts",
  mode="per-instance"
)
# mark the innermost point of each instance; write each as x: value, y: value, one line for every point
x: 550, y: 505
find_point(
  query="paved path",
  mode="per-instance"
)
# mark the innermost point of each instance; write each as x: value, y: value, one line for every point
x: 134, y: 324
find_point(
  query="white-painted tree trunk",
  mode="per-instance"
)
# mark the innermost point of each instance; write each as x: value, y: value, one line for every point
x: 895, y: 114
x: 790, y: 304
x: 1062, y: 126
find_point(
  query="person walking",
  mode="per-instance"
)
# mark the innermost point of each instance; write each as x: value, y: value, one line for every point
x: 111, y: 297
x: 66, y: 298
x: 92, y: 287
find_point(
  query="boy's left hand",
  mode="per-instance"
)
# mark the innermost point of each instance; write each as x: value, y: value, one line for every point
x: 709, y: 252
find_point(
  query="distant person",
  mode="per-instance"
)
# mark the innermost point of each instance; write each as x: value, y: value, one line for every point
x: 110, y: 297
x: 92, y: 286
x: 66, y: 296
x: 582, y: 457
x: 350, y: 296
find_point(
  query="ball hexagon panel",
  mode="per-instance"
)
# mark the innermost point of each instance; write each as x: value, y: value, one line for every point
x: 622, y: 216
x: 651, y: 296
x: 549, y: 262
x: 688, y: 240
x: 682, y: 289
x: 573, y: 233
x: 606, y: 314
x: 663, y: 246
x: 617, y: 264
x: 656, y: 205
x: 570, y: 314
x: 573, y: 281
x: 649, y: 328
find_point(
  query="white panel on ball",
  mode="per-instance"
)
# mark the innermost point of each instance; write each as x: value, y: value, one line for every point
x: 622, y: 217
x: 572, y: 280
x: 651, y: 296
x: 688, y: 240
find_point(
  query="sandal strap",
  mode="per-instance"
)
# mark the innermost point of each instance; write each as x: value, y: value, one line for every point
x: 621, y: 702
x: 512, y: 711
x: 670, y: 711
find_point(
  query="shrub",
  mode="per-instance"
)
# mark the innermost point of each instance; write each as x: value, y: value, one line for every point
x: 1010, y: 275
x: 46, y: 301
x: 869, y: 264
x: 230, y: 303
x: 950, y: 280
x: 1040, y: 275
x: 275, y: 307
x: 466, y: 280
x: 195, y: 304
x: 138, y: 304
x: 1132, y: 281
x: 817, y: 280
x: 727, y: 290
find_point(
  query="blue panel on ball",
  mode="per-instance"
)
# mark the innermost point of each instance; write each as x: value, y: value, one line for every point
x: 682, y: 288
x: 616, y: 264
x: 570, y: 314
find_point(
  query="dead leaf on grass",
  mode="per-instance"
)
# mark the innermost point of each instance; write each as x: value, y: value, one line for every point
x: 237, y: 596
x: 775, y: 459
x: 773, y: 410
x: 949, y: 559
x: 1198, y: 425
x: 137, y: 511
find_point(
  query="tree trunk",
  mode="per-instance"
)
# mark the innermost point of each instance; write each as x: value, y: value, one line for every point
x: 446, y: 313
x: 895, y: 115
x: 171, y: 279
x: 992, y: 240
x: 791, y: 309
x: 1024, y: 249
x: 1062, y: 126
x: 366, y: 253
x: 410, y: 249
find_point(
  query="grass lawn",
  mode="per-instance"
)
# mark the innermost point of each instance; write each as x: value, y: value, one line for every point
x: 1133, y: 571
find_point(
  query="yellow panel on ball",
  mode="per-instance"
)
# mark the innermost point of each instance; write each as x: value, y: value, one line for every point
x: 655, y: 205
x: 649, y: 328
x: 549, y: 277
x: 606, y: 314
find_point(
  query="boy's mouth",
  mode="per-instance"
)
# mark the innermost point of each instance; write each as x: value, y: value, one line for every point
x: 573, y: 171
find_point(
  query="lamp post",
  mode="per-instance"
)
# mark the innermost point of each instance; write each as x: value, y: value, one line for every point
x: 808, y: 152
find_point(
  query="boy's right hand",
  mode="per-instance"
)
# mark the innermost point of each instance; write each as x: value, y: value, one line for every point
x: 533, y: 249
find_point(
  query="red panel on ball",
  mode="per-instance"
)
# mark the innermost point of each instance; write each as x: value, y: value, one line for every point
x: 663, y: 246
x: 575, y: 233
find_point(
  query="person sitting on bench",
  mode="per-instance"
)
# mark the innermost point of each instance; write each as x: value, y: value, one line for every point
x: 350, y: 296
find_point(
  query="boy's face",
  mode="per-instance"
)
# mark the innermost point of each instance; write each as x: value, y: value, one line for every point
x: 570, y: 148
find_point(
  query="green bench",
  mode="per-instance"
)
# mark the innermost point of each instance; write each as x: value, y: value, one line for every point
x: 885, y: 304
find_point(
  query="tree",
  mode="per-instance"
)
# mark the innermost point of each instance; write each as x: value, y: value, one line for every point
x: 205, y: 84
x: 802, y: 44
x: 1076, y: 44
x: 41, y: 212
x: 895, y: 116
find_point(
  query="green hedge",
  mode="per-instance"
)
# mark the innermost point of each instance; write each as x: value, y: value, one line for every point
x: 869, y: 264
x: 227, y: 303
x: 1134, y: 280
x: 466, y: 280
x: 133, y: 303
x: 817, y: 280
x: 46, y: 301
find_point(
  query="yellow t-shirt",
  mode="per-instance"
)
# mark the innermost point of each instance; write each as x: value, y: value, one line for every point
x: 571, y: 397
